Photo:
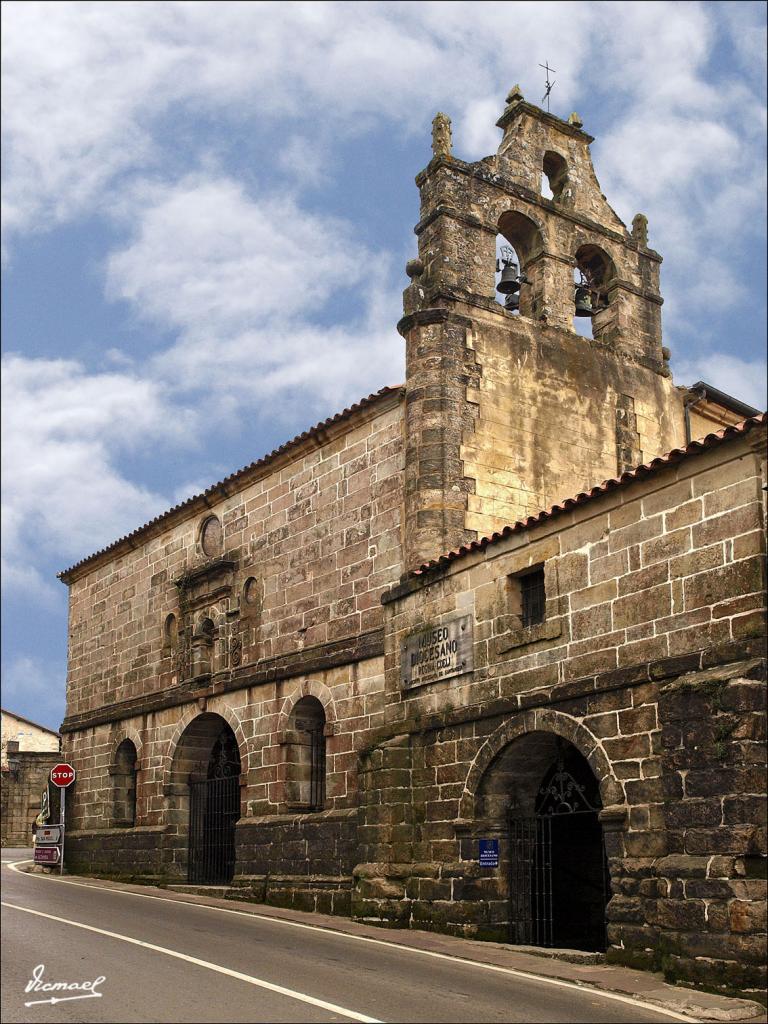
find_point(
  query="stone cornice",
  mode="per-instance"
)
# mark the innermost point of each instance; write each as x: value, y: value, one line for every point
x: 434, y: 315
x: 441, y: 314
x: 520, y: 107
x: 205, y: 571
x: 752, y: 651
x: 620, y: 284
x: 311, y: 659
x: 443, y: 210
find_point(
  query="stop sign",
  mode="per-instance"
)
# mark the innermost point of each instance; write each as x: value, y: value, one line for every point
x: 62, y: 775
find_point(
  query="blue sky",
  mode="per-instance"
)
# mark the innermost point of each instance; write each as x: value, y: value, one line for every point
x: 207, y: 210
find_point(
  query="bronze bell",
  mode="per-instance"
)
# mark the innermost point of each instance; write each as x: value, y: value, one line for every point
x: 509, y: 282
x: 583, y: 301
x: 512, y: 302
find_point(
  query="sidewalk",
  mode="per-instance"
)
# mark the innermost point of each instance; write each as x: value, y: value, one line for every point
x: 649, y: 988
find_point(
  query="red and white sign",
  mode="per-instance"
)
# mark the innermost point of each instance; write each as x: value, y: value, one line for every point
x: 47, y: 835
x: 47, y: 855
x: 62, y: 775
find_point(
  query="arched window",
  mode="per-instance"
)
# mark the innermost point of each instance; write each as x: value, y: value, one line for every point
x: 124, y: 773
x: 522, y: 240
x: 306, y: 755
x: 170, y: 634
x: 554, y: 176
x: 509, y: 277
x: 592, y: 277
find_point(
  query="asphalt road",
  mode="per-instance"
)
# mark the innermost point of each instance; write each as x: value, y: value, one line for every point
x: 184, y: 962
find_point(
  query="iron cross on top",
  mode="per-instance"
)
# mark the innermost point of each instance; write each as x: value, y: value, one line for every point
x: 547, y: 68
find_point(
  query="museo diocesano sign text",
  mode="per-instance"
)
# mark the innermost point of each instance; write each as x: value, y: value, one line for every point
x: 438, y: 652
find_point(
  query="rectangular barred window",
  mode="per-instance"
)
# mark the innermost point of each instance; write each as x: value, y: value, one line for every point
x: 532, y: 598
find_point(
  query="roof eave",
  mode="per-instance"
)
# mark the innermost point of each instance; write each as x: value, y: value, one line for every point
x: 314, y: 437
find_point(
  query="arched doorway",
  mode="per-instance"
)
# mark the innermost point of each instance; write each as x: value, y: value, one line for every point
x: 206, y: 773
x: 541, y: 792
x: 558, y: 883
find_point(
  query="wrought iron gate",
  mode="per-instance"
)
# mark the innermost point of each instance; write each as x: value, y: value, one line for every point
x: 558, y: 872
x: 214, y: 807
x: 530, y: 881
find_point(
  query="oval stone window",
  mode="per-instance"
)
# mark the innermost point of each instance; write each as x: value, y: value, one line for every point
x: 251, y: 591
x: 211, y: 537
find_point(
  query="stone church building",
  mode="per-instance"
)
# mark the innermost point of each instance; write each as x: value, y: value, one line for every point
x: 482, y: 653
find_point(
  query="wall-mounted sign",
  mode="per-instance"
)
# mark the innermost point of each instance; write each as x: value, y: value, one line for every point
x: 438, y: 652
x: 489, y: 853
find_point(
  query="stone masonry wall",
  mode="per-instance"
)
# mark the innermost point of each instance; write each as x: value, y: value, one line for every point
x: 547, y: 407
x: 21, y: 795
x: 317, y: 844
x: 651, y: 661
x: 319, y: 533
x: 303, y: 861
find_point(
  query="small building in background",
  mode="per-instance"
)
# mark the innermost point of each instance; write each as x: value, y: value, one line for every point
x: 29, y: 751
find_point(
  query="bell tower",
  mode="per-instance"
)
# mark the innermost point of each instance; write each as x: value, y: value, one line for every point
x: 508, y: 407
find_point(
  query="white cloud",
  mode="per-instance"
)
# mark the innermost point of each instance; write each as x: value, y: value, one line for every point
x: 686, y: 148
x: 206, y: 256
x: 63, y: 429
x: 679, y: 146
x: 328, y: 69
x: 242, y: 282
x: 234, y: 278
x: 744, y: 379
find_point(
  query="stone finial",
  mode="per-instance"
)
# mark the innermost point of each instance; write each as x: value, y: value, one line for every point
x: 515, y: 94
x: 575, y: 120
x: 441, y: 135
x: 414, y: 268
x: 640, y: 229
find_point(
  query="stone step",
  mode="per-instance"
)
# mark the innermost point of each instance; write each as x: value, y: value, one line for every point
x: 202, y: 890
x: 571, y: 956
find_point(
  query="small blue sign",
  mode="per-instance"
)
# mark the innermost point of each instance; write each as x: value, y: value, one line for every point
x: 489, y: 853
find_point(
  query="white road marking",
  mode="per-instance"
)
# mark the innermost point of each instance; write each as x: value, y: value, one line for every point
x: 290, y: 993
x: 584, y: 988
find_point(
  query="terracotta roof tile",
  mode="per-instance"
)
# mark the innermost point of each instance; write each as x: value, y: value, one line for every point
x: 639, y: 473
